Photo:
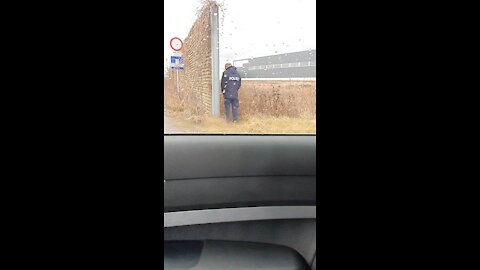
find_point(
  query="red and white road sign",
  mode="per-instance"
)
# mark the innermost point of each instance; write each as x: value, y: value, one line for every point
x: 176, y: 44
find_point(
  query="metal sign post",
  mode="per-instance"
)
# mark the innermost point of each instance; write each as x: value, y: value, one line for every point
x: 177, y: 61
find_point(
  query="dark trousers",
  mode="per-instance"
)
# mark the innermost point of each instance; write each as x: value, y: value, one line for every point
x: 231, y: 102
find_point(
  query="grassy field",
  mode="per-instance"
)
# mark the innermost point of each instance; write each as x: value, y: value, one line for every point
x: 294, y: 99
x: 265, y: 107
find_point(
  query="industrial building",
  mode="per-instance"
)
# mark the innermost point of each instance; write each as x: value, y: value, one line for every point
x: 296, y: 65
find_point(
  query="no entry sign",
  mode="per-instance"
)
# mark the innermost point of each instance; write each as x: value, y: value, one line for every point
x: 176, y: 44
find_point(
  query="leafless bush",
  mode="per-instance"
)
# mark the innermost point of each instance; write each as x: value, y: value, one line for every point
x: 181, y: 102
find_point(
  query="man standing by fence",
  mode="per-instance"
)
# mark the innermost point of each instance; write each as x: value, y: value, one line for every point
x: 231, y: 83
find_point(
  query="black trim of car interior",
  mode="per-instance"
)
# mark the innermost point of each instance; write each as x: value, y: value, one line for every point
x: 230, y: 255
x: 228, y: 192
x: 298, y: 234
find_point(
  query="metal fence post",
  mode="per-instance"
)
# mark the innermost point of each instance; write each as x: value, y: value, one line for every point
x: 215, y: 60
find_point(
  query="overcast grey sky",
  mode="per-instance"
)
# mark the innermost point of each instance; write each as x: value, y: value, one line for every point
x: 251, y: 28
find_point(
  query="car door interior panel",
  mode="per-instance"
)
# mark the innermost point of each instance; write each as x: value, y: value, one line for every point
x: 194, y: 157
x: 239, y: 202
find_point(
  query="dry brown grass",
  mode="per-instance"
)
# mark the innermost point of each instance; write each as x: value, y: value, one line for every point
x: 181, y: 104
x: 266, y: 98
x: 265, y: 107
x: 294, y: 99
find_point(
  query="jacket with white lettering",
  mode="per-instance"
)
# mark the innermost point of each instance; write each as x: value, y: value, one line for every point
x: 231, y: 82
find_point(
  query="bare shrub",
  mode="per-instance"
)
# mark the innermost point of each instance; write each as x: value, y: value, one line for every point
x: 182, y: 103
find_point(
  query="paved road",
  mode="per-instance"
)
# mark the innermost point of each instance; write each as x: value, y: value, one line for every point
x: 168, y: 126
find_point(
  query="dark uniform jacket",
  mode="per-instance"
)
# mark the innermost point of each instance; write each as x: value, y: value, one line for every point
x: 231, y: 83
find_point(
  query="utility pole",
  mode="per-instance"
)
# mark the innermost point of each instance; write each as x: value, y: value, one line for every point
x: 215, y: 60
